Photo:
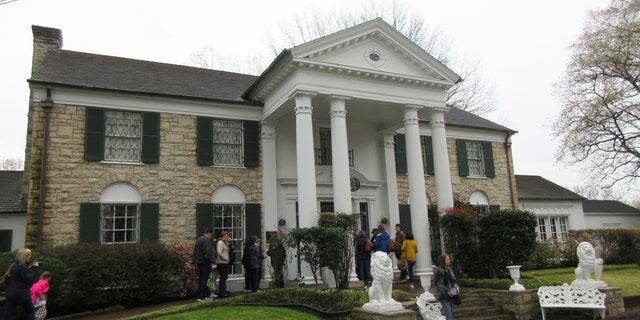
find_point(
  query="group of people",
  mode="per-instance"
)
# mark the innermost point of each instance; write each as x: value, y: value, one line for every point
x: 403, y: 247
x: 220, y: 259
x: 22, y: 291
x: 209, y: 259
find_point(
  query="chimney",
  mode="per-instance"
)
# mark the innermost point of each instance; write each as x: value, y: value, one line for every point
x: 45, y: 40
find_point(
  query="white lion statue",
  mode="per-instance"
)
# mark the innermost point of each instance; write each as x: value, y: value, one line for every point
x: 587, y: 264
x: 380, y: 291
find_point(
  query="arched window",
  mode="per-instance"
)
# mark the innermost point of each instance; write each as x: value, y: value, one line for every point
x: 228, y: 215
x: 119, y: 214
x: 479, y: 201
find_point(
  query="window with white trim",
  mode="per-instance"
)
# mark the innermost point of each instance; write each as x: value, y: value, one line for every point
x: 230, y: 217
x: 119, y: 223
x: 552, y: 228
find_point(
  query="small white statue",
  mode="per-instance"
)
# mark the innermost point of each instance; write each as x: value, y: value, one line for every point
x: 587, y: 265
x: 380, y: 291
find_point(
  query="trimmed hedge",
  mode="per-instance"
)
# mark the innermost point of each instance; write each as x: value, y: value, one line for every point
x: 101, y: 275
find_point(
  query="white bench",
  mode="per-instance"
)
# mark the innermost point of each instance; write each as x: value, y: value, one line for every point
x: 429, y: 309
x: 572, y: 297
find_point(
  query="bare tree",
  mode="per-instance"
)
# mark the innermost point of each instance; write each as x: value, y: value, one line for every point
x: 473, y: 94
x: 11, y: 164
x: 594, y: 192
x: 599, y: 125
x: 208, y: 57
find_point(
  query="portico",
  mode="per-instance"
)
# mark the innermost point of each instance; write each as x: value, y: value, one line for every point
x: 341, y: 100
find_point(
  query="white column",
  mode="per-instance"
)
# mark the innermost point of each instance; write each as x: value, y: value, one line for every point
x: 444, y: 191
x: 417, y: 191
x: 305, y: 162
x: 269, y: 180
x: 391, y: 180
x: 340, y: 156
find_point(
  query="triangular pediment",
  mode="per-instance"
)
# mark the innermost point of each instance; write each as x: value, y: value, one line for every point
x: 374, y: 47
x: 371, y: 51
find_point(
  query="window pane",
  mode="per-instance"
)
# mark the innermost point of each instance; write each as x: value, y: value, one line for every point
x: 542, y: 229
x: 119, y: 223
x: 475, y: 159
x: 230, y: 218
x: 123, y: 136
x: 227, y: 143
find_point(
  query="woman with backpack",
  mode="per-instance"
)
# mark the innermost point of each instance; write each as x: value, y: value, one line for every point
x: 363, y: 257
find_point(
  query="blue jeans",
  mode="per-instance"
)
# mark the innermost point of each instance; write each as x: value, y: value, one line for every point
x: 447, y: 306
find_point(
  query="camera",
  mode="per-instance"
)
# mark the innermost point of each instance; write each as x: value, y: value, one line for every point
x: 36, y: 260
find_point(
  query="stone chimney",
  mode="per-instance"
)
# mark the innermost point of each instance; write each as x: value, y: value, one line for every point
x: 44, y: 40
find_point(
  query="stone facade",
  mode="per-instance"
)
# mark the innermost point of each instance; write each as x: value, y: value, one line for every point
x: 500, y: 190
x: 176, y: 182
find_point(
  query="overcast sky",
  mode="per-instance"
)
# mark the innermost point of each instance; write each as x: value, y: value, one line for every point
x: 522, y: 48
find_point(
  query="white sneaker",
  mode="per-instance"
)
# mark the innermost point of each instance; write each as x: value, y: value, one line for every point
x: 205, y: 299
x: 247, y: 290
x: 213, y: 296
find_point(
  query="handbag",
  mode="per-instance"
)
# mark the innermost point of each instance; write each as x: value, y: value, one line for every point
x: 457, y: 300
x: 5, y: 278
x: 403, y: 264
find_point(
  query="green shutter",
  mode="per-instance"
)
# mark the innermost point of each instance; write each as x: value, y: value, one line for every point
x: 251, y: 143
x: 463, y: 165
x: 149, y: 222
x: 252, y: 220
x: 401, y: 154
x: 428, y: 152
x: 90, y: 223
x: 405, y: 218
x: 489, y: 169
x: 94, y: 135
x: 204, y: 142
x: 204, y: 217
x: 150, y: 137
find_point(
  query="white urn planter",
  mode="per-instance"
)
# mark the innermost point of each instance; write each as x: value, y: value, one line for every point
x: 514, y: 271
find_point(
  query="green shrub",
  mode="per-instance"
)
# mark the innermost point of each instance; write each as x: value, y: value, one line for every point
x: 127, y: 274
x: 504, y: 284
x: 545, y: 255
x: 507, y: 237
x: 614, y: 246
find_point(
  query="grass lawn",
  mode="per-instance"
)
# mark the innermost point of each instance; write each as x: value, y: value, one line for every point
x: 625, y: 276
x: 243, y: 312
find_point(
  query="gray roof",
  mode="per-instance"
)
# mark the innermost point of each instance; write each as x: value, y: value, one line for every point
x: 11, y: 200
x: 458, y: 117
x: 100, y: 72
x: 95, y: 71
x: 607, y: 206
x: 539, y: 188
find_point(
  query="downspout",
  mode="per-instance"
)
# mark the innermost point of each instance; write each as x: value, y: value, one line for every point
x: 507, y: 148
x: 47, y: 105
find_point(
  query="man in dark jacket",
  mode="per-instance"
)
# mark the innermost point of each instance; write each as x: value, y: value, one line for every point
x: 203, y: 258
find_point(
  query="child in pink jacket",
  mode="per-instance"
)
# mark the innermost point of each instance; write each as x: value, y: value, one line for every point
x: 39, y: 294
